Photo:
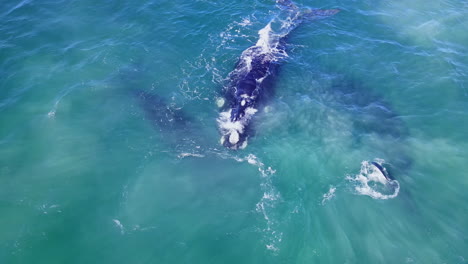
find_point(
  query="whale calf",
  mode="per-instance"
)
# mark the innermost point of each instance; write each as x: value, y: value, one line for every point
x: 250, y: 81
x: 382, y: 170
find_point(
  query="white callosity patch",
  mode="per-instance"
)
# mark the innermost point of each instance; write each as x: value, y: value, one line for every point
x: 232, y: 130
x: 185, y: 154
x: 370, y: 177
x: 234, y: 137
x: 265, y: 39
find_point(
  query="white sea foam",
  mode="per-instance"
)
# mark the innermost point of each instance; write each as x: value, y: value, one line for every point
x: 269, y: 40
x: 183, y: 155
x: 329, y: 195
x: 268, y: 201
x: 119, y: 225
x: 51, y: 113
x: 264, y: 40
x: 250, y: 111
x: 234, y: 137
x: 46, y: 208
x: 245, y: 22
x: 371, y: 182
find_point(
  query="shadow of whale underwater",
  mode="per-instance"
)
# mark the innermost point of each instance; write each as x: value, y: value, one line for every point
x: 176, y: 127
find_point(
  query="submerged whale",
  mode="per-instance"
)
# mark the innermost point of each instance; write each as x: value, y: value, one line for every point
x: 250, y: 81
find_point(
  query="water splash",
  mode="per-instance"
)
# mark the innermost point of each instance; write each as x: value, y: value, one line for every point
x: 371, y: 182
x: 267, y: 203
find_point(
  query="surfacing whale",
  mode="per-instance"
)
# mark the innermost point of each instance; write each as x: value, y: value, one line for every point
x: 250, y: 81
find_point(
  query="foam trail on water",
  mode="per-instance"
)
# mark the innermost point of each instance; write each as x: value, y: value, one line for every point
x: 371, y: 182
x: 329, y: 195
x: 267, y: 203
x: 119, y: 225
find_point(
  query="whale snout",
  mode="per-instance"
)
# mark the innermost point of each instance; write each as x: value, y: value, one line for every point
x: 234, y: 140
x: 233, y: 125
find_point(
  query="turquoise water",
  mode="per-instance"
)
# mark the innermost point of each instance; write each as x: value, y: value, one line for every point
x: 87, y: 176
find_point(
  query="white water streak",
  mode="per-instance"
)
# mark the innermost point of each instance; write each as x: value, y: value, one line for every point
x: 267, y: 203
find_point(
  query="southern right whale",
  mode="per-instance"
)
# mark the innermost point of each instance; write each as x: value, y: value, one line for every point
x: 382, y: 170
x: 250, y: 81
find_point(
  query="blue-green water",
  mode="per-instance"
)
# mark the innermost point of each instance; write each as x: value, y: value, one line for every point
x: 86, y: 176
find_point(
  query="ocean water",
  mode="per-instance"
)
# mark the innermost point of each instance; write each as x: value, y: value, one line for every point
x: 92, y: 172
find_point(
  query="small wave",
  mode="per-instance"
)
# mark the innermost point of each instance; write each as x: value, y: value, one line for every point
x: 371, y: 182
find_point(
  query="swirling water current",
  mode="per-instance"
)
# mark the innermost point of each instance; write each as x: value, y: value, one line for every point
x: 90, y: 172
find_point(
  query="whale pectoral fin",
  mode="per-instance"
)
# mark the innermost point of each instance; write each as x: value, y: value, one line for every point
x: 313, y: 14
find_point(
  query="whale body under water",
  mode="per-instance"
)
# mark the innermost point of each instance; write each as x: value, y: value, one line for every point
x: 250, y: 81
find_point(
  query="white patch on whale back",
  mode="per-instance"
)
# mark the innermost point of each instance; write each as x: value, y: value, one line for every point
x: 371, y: 182
x: 260, y: 80
x: 264, y: 40
x: 226, y: 123
x: 186, y: 154
x: 269, y: 39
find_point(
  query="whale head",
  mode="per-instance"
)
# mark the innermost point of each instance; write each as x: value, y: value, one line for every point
x: 233, y: 125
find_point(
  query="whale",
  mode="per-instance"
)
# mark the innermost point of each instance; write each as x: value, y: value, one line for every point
x: 251, y: 82
x: 382, y: 170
